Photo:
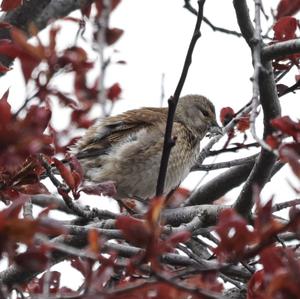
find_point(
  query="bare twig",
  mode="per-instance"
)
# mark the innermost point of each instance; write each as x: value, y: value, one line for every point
x: 102, y: 24
x: 233, y: 149
x: 190, y: 8
x: 286, y: 204
x: 168, y: 141
x: 227, y: 164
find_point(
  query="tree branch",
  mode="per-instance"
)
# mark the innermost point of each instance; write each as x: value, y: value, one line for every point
x: 227, y: 164
x: 191, y: 9
x: 268, y: 96
x: 220, y: 185
x: 281, y: 49
x: 168, y: 141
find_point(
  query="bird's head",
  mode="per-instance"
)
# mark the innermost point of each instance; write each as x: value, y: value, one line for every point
x: 198, y: 114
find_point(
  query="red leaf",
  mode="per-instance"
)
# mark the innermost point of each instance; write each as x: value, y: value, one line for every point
x: 93, y: 241
x: 37, y: 119
x: 281, y: 88
x: 256, y: 286
x: 5, y: 110
x: 112, y: 35
x: 287, y: 126
x: 234, y: 234
x: 287, y: 8
x: 65, y: 173
x: 37, y: 52
x: 113, y: 93
x: 272, y: 141
x: 243, y: 123
x: 107, y: 188
x: 5, y: 25
x: 288, y: 154
x: 7, y: 5
x: 4, y: 69
x: 178, y: 197
x: 134, y: 230
x: 226, y: 115
x: 32, y: 260
x: 37, y: 188
x: 180, y: 237
x: 285, y: 29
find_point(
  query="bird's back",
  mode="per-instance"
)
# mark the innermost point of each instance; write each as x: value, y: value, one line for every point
x: 127, y: 149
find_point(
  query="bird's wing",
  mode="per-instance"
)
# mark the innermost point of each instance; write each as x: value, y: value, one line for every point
x: 99, y: 139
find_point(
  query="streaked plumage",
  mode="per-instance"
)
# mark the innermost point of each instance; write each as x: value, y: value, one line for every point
x: 127, y: 148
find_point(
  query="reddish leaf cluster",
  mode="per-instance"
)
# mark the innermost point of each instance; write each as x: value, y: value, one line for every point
x: 146, y: 233
x: 51, y: 280
x: 279, y: 277
x: 73, y: 177
x: 21, y: 140
x: 285, y: 29
x: 242, y: 124
x: 287, y: 8
x: 237, y: 240
x: 15, y: 229
x: 289, y: 151
x: 7, y: 5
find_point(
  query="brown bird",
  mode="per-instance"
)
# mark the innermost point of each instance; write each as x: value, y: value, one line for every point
x: 127, y: 148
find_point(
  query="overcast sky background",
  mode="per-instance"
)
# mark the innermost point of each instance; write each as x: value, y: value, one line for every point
x: 155, y: 41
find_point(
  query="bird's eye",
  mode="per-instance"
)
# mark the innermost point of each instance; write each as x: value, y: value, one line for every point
x: 205, y: 112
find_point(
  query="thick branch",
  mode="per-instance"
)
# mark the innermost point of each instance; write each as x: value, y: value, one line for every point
x: 168, y: 141
x: 271, y: 108
x: 281, y: 49
x: 220, y: 185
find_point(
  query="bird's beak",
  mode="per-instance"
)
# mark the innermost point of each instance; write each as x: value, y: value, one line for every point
x: 215, y: 129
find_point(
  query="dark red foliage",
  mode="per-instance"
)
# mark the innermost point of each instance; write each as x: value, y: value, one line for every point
x: 33, y: 260
x: 235, y: 236
x: 287, y: 126
x: 243, y: 123
x: 113, y: 93
x: 279, y: 278
x: 285, y: 29
x: 7, y: 5
x: 106, y: 188
x: 226, y: 115
x: 13, y: 228
x: 21, y: 138
x: 36, y: 286
x: 113, y: 35
x: 146, y: 233
x: 289, y: 152
x: 4, y: 69
x: 287, y: 8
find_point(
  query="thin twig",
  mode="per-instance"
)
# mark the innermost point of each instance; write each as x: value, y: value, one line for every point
x: 285, y: 205
x: 233, y: 149
x: 190, y: 8
x: 102, y: 23
x: 168, y: 141
x: 227, y: 164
